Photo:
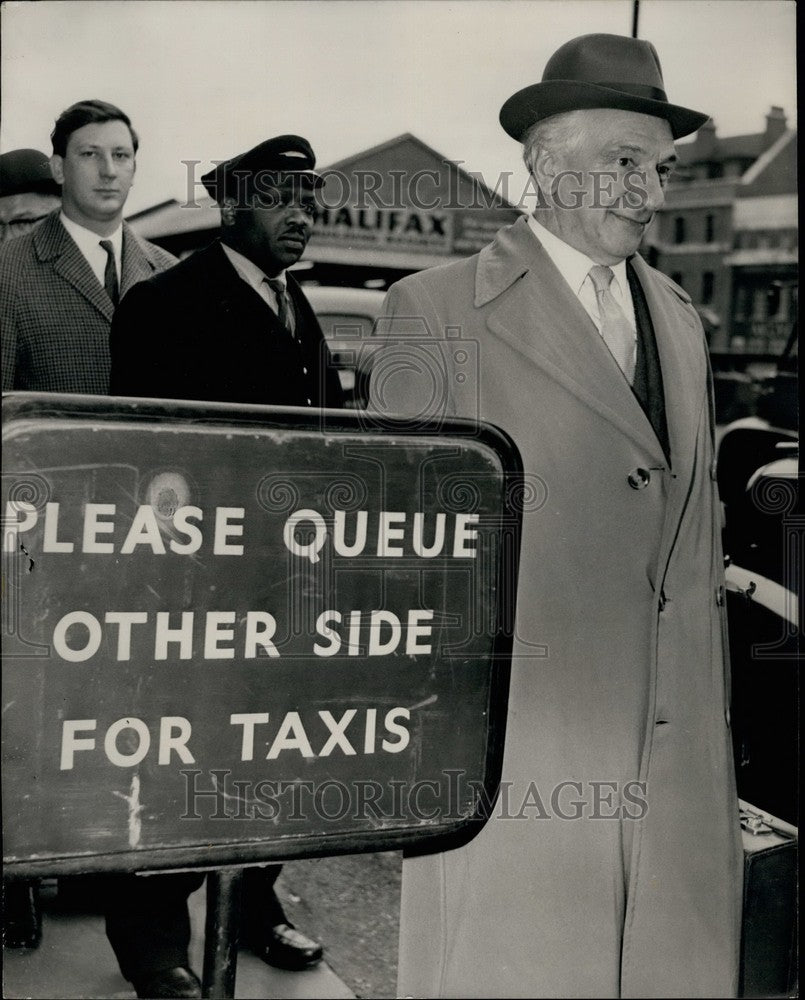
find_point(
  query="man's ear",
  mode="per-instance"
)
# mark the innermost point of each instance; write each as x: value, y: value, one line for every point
x: 547, y: 172
x: 228, y: 212
x: 57, y: 168
x: 545, y: 169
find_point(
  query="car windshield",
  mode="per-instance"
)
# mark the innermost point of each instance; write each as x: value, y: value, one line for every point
x: 345, y: 325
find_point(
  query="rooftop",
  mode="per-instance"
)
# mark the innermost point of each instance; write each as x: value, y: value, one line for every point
x: 710, y: 148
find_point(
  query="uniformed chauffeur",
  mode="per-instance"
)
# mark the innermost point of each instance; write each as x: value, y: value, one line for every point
x: 230, y: 324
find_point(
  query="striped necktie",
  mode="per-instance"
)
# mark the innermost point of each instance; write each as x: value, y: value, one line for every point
x: 110, y: 272
x: 284, y: 310
x: 616, y: 331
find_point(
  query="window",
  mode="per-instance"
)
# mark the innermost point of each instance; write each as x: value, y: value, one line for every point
x: 679, y: 229
x: 709, y: 228
x: 708, y: 284
x: 773, y: 299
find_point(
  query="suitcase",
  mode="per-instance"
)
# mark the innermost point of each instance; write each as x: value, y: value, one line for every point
x: 769, y: 925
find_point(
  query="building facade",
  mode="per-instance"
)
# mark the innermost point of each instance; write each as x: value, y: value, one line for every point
x: 385, y: 212
x: 728, y: 235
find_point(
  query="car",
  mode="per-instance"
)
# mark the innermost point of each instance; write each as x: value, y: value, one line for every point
x: 758, y: 477
x: 347, y: 318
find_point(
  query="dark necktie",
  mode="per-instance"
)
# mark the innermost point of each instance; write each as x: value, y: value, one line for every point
x: 616, y: 332
x: 284, y: 310
x: 110, y: 272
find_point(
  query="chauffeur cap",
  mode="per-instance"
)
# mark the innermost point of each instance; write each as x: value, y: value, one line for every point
x: 285, y: 157
x: 598, y: 71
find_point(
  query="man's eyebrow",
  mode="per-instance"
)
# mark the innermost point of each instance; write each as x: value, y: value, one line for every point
x: 623, y: 147
x: 97, y: 145
x: 627, y: 147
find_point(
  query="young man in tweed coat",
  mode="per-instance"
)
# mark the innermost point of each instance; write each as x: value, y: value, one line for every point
x: 58, y: 285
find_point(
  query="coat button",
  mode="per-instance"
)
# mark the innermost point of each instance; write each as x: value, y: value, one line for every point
x: 638, y: 479
x: 663, y: 600
x: 720, y: 597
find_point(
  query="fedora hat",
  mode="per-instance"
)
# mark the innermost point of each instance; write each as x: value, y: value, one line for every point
x: 598, y: 71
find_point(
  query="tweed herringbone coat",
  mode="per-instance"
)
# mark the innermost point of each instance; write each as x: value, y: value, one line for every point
x: 55, y: 315
x: 619, y: 676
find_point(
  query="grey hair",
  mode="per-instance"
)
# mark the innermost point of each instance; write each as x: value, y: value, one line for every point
x: 557, y: 134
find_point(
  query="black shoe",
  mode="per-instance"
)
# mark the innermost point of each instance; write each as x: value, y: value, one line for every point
x: 287, y: 948
x: 22, y: 914
x: 176, y: 982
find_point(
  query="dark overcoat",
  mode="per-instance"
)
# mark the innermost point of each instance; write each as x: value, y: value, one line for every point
x: 619, y: 676
x: 55, y: 314
x: 199, y: 331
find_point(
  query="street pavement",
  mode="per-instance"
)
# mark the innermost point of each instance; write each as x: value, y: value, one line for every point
x: 75, y: 960
x: 352, y: 905
x: 349, y: 903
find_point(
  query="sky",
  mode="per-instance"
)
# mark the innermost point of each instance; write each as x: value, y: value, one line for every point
x: 206, y: 79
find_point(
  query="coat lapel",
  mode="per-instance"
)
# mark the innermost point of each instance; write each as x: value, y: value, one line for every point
x: 237, y: 300
x: 681, y: 348
x: 53, y: 243
x: 138, y: 262
x: 538, y: 314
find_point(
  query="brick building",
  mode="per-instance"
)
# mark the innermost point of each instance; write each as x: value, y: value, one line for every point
x: 728, y: 235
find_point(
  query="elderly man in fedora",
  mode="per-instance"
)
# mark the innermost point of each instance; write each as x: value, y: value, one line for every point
x: 611, y: 863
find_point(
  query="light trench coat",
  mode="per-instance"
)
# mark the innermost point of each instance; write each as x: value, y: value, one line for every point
x: 619, y: 674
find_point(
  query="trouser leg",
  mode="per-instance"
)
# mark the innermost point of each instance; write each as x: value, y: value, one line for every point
x: 147, y: 921
x: 262, y: 909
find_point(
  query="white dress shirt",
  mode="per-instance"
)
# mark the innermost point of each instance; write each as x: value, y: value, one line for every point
x: 254, y: 277
x: 574, y: 266
x: 89, y: 244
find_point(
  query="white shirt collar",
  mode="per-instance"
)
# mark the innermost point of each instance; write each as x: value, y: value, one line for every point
x: 88, y: 242
x: 572, y: 264
x: 248, y: 270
